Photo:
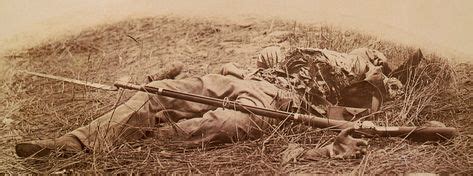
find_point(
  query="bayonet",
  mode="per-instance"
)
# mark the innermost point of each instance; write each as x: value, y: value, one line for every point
x: 75, y: 81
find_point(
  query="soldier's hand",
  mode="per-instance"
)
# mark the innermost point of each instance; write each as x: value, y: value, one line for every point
x: 344, y: 146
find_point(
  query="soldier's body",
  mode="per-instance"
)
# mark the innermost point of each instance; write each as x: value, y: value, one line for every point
x: 196, y: 123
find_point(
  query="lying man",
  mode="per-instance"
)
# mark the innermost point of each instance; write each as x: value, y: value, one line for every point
x: 196, y: 123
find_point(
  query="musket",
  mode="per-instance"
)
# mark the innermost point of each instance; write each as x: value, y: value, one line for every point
x: 362, y: 128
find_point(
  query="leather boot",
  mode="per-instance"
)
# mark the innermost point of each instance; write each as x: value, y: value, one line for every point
x: 40, y: 148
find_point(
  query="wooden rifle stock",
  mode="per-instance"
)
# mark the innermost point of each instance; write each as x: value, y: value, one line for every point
x: 366, y: 128
x: 420, y: 134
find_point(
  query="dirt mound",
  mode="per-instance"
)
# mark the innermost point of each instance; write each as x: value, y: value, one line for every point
x: 34, y: 108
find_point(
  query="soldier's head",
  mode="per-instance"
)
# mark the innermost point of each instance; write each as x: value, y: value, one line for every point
x: 375, y: 57
x: 390, y: 87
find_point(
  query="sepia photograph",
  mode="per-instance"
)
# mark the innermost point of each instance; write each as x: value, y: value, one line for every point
x: 273, y: 87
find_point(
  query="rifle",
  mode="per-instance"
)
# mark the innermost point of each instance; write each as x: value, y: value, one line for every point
x: 362, y: 128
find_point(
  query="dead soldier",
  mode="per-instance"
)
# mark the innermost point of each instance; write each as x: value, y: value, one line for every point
x: 319, y: 78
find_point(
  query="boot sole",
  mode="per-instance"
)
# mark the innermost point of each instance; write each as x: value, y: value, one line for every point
x: 26, y: 150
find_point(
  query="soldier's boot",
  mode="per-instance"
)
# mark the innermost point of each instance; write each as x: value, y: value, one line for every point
x: 40, y: 148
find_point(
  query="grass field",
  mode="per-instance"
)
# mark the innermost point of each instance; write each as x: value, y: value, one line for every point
x: 35, y: 108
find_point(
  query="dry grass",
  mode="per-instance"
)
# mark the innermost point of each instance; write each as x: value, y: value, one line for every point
x: 429, y: 81
x: 40, y: 108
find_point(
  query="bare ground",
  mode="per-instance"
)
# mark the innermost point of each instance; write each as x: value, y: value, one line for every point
x: 35, y: 108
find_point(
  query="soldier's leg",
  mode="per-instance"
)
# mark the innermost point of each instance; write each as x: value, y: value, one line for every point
x: 128, y: 121
x: 218, y: 126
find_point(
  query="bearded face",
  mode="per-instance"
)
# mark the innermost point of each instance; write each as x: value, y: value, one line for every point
x: 375, y: 57
x: 392, y: 86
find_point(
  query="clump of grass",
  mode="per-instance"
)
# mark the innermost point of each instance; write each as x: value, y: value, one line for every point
x: 429, y: 80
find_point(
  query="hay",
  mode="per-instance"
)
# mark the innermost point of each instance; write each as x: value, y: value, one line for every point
x: 41, y: 108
